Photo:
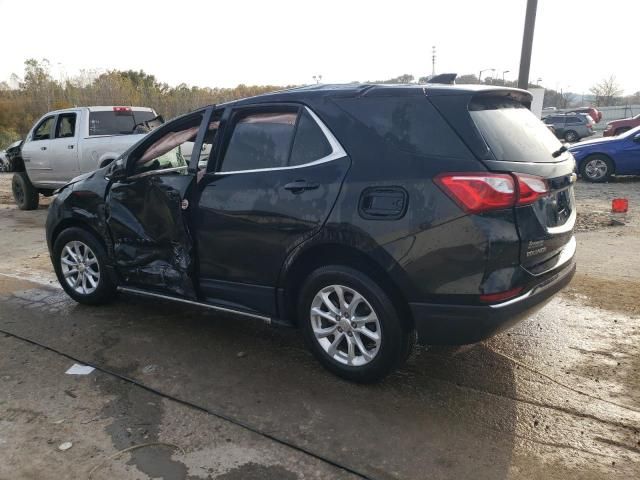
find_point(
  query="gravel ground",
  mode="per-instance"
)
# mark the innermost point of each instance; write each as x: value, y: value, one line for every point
x: 556, y: 397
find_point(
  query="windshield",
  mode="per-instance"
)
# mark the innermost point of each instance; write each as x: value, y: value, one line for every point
x: 512, y: 132
x: 121, y: 122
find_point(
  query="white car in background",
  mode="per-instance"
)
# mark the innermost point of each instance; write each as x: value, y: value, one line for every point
x: 66, y: 143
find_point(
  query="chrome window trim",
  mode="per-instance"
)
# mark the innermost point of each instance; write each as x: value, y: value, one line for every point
x: 158, y: 172
x: 336, y: 151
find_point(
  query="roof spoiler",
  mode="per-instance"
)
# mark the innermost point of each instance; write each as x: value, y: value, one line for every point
x: 446, y: 78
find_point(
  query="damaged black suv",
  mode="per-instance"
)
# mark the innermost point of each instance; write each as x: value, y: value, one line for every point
x: 361, y: 214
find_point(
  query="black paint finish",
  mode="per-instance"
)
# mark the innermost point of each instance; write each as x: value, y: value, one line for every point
x: 248, y: 239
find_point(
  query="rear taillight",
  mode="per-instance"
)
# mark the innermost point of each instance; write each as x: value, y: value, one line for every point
x: 481, y: 192
x: 500, y: 296
x: 530, y: 188
x: 122, y: 109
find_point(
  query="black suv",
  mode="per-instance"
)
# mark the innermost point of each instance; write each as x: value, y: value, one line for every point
x: 359, y: 213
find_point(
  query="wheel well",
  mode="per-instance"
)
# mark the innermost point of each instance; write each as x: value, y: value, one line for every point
x: 74, y: 223
x: 620, y: 130
x: 591, y: 155
x: 17, y: 164
x: 334, y: 254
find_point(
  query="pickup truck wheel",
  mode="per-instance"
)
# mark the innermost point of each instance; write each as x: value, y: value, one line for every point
x: 24, y: 193
x: 351, y: 326
x: 80, y: 260
x: 621, y: 130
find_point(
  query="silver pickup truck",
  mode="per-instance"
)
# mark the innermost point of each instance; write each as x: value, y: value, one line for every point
x: 66, y: 143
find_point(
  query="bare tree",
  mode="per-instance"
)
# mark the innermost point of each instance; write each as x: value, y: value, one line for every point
x: 606, y: 91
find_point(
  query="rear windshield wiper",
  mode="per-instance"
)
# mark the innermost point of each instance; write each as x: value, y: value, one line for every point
x: 560, y: 151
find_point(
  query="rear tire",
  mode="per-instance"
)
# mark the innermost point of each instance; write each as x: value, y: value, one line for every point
x: 24, y: 193
x: 596, y: 168
x: 80, y: 262
x: 363, y: 341
x: 621, y: 130
x: 571, y: 136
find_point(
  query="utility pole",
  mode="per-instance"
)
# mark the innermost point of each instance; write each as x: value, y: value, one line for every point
x: 433, y: 61
x: 527, y: 44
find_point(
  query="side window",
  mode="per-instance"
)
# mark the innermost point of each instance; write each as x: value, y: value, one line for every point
x: 171, y: 147
x: 409, y: 124
x: 66, y: 126
x: 310, y: 143
x: 259, y: 140
x: 43, y: 131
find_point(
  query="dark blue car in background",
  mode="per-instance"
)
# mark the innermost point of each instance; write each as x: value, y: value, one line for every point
x: 600, y: 158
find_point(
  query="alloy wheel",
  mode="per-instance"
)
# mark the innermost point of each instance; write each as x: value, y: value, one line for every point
x: 345, y: 325
x: 596, y: 169
x: 80, y: 267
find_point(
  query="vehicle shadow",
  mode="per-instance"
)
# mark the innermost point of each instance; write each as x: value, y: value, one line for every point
x: 448, y: 414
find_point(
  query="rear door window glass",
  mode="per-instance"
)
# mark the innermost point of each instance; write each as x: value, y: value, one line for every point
x: 260, y: 140
x: 43, y: 131
x: 409, y: 124
x: 117, y: 122
x: 310, y: 143
x: 66, y: 126
x: 511, y: 131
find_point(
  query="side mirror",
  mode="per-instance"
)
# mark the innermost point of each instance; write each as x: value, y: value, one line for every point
x: 117, y: 169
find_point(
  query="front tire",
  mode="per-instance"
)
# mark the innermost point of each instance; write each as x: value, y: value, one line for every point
x: 596, y: 168
x: 351, y: 325
x: 80, y: 263
x: 24, y: 193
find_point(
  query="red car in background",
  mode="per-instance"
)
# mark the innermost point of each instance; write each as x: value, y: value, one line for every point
x: 617, y: 127
x: 593, y: 112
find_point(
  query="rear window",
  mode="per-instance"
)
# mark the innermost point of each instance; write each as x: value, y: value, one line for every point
x: 117, y: 123
x: 409, y: 124
x: 511, y: 131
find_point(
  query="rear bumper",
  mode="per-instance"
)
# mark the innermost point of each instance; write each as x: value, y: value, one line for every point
x: 442, y: 324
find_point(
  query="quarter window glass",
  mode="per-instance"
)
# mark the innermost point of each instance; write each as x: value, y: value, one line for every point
x: 412, y: 125
x: 310, y: 143
x: 260, y: 140
x: 66, y: 126
x: 43, y: 131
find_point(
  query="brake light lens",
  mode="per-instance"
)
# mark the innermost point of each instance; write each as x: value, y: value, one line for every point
x: 500, y: 296
x: 530, y: 188
x: 121, y: 109
x: 481, y: 192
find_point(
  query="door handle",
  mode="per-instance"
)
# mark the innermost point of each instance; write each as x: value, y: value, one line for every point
x: 43, y: 148
x: 70, y: 147
x: 300, y: 186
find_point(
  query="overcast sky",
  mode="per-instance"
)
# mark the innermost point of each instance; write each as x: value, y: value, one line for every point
x: 213, y: 43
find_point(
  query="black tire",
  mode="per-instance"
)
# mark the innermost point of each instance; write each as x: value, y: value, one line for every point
x: 395, y: 343
x: 571, y: 136
x: 621, y: 130
x: 105, y: 289
x: 24, y: 193
x: 597, y: 162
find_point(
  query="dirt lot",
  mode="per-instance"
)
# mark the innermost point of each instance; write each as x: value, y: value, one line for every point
x: 197, y: 395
